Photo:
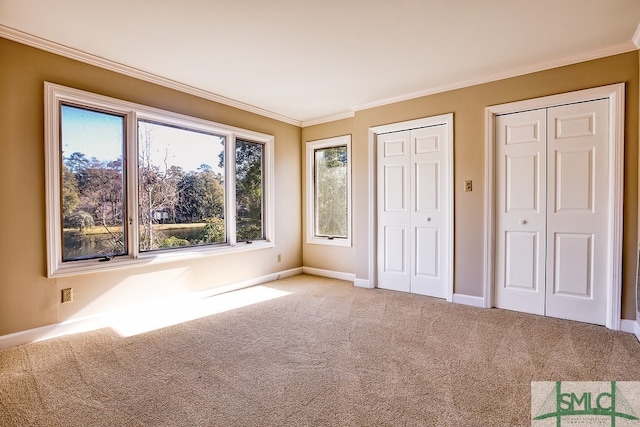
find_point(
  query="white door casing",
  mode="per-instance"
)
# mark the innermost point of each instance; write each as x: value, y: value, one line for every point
x: 414, y: 209
x: 576, y: 195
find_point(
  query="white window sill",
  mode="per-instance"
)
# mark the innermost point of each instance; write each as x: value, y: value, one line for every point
x: 152, y: 258
x: 329, y: 242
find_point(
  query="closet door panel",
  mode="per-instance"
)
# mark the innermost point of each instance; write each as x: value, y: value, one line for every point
x: 429, y: 210
x: 578, y: 211
x: 394, y: 217
x: 521, y: 211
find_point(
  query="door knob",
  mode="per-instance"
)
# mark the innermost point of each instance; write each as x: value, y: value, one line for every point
x: 523, y: 221
x: 428, y: 219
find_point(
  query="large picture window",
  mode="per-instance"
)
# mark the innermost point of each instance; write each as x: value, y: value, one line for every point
x: 329, y: 191
x: 127, y: 182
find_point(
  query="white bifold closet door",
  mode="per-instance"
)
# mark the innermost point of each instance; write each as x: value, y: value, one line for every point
x: 413, y: 217
x: 552, y: 195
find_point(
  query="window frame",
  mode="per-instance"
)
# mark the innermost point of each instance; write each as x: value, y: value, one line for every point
x: 312, y: 146
x: 55, y: 95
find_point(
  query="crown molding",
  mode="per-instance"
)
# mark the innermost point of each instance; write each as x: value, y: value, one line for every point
x: 528, y: 69
x: 636, y: 38
x: 87, y: 58
x: 327, y: 119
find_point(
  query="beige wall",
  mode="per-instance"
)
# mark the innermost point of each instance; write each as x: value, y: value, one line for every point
x: 468, y: 105
x: 27, y: 298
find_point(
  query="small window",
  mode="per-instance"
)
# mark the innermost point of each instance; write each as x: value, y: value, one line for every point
x: 329, y: 191
x: 128, y: 183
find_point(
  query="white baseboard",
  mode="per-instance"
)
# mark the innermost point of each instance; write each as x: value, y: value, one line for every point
x: 104, y: 320
x: 468, y: 300
x: 329, y: 273
x: 628, y: 326
x: 363, y: 283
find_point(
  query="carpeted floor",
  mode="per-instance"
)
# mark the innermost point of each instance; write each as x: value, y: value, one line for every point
x: 326, y: 354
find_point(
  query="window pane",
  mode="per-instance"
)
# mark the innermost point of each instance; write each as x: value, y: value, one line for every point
x: 331, y: 192
x: 180, y: 187
x: 249, y: 190
x: 93, y: 190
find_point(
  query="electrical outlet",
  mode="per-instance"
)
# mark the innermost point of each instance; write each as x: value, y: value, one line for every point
x: 468, y: 186
x: 67, y: 295
x: 279, y: 257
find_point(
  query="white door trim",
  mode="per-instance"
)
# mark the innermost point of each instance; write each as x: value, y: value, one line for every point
x: 373, y: 215
x: 615, y: 94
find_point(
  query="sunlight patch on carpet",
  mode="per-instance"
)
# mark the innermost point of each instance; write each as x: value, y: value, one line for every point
x: 158, y: 315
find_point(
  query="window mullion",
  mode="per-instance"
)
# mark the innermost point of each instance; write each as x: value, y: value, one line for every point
x: 131, y: 161
x: 315, y: 193
x: 230, y: 190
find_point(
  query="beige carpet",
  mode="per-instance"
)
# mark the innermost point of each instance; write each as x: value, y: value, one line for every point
x: 327, y: 354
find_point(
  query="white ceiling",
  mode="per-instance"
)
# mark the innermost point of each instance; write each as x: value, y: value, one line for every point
x: 307, y: 60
